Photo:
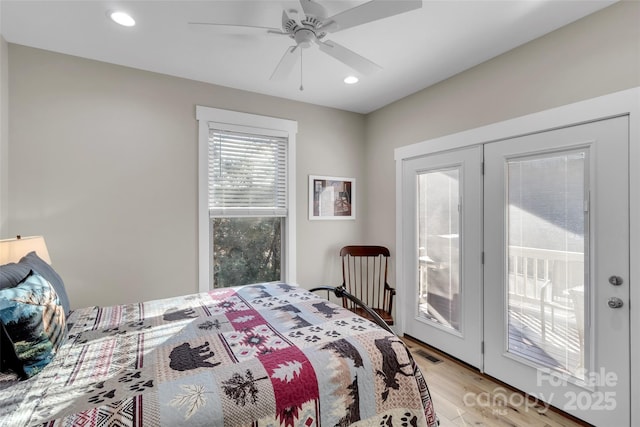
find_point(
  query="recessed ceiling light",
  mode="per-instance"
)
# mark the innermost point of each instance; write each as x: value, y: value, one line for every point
x: 122, y: 18
x: 350, y: 80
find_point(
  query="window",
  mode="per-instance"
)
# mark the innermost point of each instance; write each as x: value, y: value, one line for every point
x: 247, y: 198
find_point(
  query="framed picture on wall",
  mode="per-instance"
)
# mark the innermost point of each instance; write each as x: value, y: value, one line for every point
x: 332, y: 197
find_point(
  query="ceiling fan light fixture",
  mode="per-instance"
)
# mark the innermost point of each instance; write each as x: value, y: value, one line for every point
x: 122, y: 18
x: 304, y: 37
x: 351, y: 80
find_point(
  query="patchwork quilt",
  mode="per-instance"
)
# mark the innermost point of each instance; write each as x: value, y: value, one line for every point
x: 260, y: 355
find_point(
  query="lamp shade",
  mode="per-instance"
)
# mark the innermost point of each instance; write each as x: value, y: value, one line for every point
x: 11, y: 250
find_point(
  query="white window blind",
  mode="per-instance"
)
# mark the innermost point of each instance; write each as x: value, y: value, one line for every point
x: 247, y: 174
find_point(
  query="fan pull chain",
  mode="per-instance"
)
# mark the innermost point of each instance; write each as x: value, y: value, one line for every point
x: 301, y: 87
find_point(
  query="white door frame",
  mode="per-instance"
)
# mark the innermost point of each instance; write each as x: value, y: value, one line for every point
x: 625, y: 102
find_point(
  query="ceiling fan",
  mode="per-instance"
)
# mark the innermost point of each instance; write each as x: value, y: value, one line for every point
x: 312, y: 26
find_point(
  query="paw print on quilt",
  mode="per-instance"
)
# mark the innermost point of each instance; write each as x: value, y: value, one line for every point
x: 135, y: 381
x: 406, y: 420
x: 126, y: 384
x: 100, y: 395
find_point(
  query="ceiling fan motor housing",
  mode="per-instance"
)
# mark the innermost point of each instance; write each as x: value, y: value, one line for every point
x: 311, y: 21
x: 304, y: 32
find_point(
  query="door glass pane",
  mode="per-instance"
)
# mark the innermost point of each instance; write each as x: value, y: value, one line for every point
x: 547, y: 260
x: 439, y: 247
x: 246, y: 250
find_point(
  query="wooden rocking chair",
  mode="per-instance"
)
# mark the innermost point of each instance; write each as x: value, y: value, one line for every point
x: 364, y: 275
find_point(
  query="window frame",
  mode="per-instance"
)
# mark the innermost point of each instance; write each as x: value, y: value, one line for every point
x: 209, y: 117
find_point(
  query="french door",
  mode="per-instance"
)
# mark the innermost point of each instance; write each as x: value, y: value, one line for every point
x: 557, y: 268
x: 444, y: 237
x: 531, y: 259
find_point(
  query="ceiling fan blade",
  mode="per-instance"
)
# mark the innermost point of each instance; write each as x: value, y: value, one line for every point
x: 349, y: 57
x: 285, y: 19
x: 284, y: 67
x: 313, y: 10
x: 307, y: 7
x: 367, y: 12
x: 238, y: 29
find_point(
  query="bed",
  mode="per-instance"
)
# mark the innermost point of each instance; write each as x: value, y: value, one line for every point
x: 271, y: 354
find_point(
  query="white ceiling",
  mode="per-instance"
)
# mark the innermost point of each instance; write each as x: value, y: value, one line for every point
x: 415, y: 49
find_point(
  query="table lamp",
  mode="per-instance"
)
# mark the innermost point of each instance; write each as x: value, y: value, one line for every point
x: 11, y: 250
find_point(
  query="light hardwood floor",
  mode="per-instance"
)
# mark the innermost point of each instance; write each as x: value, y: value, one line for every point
x: 464, y: 397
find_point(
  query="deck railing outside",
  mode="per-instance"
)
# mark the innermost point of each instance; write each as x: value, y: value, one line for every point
x: 552, y: 319
x: 531, y: 268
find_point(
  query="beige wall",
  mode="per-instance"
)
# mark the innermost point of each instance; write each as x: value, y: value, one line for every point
x: 594, y: 56
x: 4, y: 134
x: 104, y: 165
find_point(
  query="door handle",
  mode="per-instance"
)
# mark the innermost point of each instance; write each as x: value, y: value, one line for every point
x: 615, y: 302
x: 615, y: 280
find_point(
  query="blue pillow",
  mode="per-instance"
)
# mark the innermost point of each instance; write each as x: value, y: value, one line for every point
x: 38, y: 265
x: 13, y: 273
x: 34, y: 321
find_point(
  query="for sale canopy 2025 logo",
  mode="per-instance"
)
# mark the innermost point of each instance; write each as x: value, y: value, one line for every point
x: 592, y: 396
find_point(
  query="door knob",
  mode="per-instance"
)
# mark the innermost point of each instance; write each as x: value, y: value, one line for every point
x: 615, y: 302
x: 615, y: 280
